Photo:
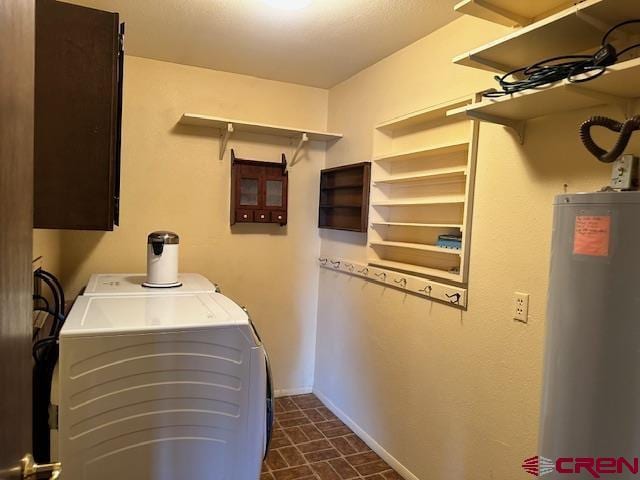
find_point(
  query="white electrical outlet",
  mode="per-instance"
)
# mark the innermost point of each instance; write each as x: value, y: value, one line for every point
x: 521, y: 307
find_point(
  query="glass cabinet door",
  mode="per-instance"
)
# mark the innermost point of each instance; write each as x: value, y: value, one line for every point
x: 274, y: 193
x: 249, y: 191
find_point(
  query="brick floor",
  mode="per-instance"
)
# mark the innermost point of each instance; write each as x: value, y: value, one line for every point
x: 311, y: 443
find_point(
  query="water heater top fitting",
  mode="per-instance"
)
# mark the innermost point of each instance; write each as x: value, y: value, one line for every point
x: 162, y: 259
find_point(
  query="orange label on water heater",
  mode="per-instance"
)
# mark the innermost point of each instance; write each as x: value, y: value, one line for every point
x: 592, y: 235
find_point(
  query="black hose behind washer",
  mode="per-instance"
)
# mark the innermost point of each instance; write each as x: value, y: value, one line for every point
x: 625, y: 129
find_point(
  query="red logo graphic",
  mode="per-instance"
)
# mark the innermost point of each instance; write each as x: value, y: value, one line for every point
x: 538, y: 466
x: 594, y: 466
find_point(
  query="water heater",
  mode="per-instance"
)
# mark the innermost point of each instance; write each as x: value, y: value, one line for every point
x: 591, y: 393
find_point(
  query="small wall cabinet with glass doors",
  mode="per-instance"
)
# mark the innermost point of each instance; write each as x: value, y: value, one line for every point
x: 258, y: 191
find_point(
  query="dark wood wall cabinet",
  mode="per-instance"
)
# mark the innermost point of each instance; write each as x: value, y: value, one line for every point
x: 344, y: 197
x: 258, y: 191
x: 78, y: 114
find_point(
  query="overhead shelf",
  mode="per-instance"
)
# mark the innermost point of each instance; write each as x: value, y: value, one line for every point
x: 619, y: 85
x: 509, y: 12
x: 439, y: 175
x: 421, y: 202
x: 408, y: 267
x: 435, y: 112
x: 426, y: 152
x: 228, y: 126
x: 575, y: 29
x: 418, y: 225
x: 415, y: 246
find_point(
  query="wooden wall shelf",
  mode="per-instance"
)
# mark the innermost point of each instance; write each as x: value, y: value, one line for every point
x: 617, y: 86
x: 344, y: 197
x: 434, y: 113
x: 575, y: 29
x: 429, y: 151
x: 510, y: 13
x: 228, y: 126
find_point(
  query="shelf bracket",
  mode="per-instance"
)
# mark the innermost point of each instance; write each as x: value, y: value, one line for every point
x: 225, y: 139
x: 304, y: 139
x: 624, y: 104
x: 487, y: 11
x: 517, y: 126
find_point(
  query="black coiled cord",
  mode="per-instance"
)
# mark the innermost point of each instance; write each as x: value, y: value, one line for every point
x: 573, y: 68
x: 625, y: 129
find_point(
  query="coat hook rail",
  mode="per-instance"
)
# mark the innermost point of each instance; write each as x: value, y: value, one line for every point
x: 452, y: 295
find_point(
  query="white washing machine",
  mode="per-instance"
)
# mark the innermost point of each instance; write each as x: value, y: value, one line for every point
x: 162, y: 386
x: 131, y: 284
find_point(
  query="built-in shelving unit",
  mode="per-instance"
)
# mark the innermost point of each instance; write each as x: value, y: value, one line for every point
x: 228, y: 126
x: 422, y: 189
x: 344, y: 197
x: 511, y: 13
x: 575, y: 29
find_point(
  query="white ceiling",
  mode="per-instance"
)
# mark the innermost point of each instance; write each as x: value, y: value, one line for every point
x: 320, y: 45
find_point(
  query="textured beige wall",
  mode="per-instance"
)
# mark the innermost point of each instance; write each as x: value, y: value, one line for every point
x: 449, y: 394
x: 172, y: 179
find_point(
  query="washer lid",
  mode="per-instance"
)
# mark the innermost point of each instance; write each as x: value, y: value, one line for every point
x: 118, y: 314
x: 131, y: 284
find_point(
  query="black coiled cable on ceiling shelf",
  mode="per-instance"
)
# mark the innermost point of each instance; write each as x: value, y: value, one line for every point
x: 573, y: 68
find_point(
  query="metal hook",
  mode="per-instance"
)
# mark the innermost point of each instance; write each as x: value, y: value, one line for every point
x: 402, y: 282
x: 427, y: 290
x: 382, y: 275
x: 323, y: 261
x: 364, y: 271
x: 455, y: 295
x: 335, y: 264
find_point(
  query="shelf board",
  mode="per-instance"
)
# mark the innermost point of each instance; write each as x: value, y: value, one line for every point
x: 509, y: 12
x: 425, y: 152
x: 438, y: 175
x: 572, y: 30
x: 619, y: 84
x: 415, y: 246
x: 440, y: 111
x: 407, y: 267
x: 344, y: 229
x: 418, y: 225
x: 416, y: 203
x: 337, y: 205
x: 339, y: 187
x: 253, y: 127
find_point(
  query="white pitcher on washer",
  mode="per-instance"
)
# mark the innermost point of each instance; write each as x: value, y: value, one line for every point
x: 162, y: 260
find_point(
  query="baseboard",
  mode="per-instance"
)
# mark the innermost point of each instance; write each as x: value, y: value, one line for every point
x: 285, y: 392
x: 366, y: 438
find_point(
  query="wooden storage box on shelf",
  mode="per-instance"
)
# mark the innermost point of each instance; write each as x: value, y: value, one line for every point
x: 344, y: 197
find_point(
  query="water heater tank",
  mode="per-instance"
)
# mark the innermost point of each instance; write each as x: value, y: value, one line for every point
x: 591, y: 391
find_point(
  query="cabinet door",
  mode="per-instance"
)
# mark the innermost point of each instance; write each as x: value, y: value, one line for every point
x: 78, y: 79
